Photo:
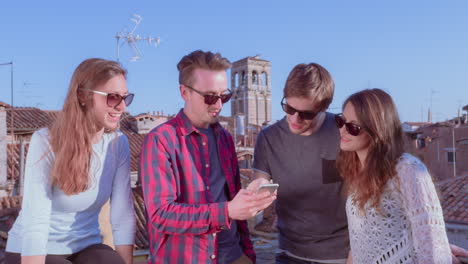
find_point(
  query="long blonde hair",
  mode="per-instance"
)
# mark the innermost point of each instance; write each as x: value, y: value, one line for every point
x: 72, y: 133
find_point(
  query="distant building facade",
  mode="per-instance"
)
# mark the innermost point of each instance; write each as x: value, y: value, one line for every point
x: 443, y: 147
x: 143, y: 123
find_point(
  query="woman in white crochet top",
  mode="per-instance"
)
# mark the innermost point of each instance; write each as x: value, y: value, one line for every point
x: 394, y: 214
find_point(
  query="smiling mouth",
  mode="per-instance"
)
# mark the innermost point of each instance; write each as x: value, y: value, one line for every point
x: 115, y: 117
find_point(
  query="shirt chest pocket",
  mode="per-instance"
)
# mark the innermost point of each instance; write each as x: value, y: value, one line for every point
x: 329, y: 172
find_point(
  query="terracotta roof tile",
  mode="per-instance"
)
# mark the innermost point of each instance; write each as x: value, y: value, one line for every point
x: 13, y: 160
x: 3, y: 104
x: 141, y: 235
x: 28, y: 118
x: 135, y: 141
x: 454, y: 199
x: 8, y: 202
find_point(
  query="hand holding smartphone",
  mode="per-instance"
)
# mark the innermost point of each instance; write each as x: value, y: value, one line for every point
x: 268, y: 187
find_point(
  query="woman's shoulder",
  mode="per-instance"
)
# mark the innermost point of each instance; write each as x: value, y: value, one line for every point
x: 116, y: 135
x: 118, y: 138
x: 407, y: 159
x: 42, y: 132
x: 409, y: 165
x: 41, y: 136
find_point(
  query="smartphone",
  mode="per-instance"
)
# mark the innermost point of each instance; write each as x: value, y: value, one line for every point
x: 270, y: 187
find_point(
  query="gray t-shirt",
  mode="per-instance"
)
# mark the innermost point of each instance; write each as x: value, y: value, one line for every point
x: 311, y: 203
x: 228, y: 240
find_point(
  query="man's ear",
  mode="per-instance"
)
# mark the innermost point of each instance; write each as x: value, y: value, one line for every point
x: 183, y: 92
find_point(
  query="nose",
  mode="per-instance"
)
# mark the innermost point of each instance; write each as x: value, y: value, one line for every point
x: 121, y: 106
x: 218, y: 103
x: 296, y: 118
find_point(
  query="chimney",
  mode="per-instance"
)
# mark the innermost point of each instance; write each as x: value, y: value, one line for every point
x: 3, y: 147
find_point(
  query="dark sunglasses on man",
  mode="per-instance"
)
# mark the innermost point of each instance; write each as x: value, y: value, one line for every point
x: 211, y: 99
x: 351, y: 128
x: 305, y: 115
x: 114, y: 99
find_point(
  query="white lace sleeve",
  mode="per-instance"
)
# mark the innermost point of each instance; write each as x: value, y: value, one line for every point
x: 424, y: 212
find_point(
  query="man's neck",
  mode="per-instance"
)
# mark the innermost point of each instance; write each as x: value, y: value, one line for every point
x: 192, y: 119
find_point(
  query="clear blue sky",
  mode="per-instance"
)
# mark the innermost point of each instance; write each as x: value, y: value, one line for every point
x: 408, y: 48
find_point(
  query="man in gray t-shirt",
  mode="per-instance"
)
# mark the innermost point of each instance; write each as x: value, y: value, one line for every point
x: 299, y: 154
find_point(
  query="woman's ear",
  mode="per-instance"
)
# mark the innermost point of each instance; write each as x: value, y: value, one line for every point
x: 81, y: 97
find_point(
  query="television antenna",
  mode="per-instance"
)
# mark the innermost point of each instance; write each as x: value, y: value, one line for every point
x: 131, y: 39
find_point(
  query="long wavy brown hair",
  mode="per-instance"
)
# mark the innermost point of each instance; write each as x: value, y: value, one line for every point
x: 378, y: 116
x: 72, y: 133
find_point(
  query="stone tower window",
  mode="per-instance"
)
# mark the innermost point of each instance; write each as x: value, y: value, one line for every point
x: 254, y: 78
x: 236, y: 80
x: 264, y: 79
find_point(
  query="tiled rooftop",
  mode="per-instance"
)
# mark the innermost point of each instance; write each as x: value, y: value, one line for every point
x: 24, y: 119
x: 141, y: 236
x: 454, y: 199
x: 13, y: 161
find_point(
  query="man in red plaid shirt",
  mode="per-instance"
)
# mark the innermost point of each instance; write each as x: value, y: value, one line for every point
x: 190, y: 176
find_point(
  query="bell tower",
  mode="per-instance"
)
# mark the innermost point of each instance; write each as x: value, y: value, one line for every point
x: 251, y: 85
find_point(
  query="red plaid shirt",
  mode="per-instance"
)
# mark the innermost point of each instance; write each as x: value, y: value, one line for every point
x: 183, y: 220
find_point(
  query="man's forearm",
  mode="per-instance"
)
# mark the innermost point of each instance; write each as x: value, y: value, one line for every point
x: 189, y: 219
x: 33, y: 259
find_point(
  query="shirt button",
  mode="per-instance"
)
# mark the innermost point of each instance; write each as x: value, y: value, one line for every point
x: 207, y: 165
x: 207, y: 187
x: 203, y: 143
x: 213, y: 256
x: 214, y: 235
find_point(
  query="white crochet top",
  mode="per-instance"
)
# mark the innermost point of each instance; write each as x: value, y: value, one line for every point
x: 411, y: 228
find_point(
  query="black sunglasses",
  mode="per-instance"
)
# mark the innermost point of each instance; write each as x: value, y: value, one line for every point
x: 114, y: 99
x: 211, y: 99
x: 351, y: 128
x: 305, y: 115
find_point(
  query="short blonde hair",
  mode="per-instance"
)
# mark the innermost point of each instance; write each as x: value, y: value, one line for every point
x: 200, y: 60
x: 311, y: 81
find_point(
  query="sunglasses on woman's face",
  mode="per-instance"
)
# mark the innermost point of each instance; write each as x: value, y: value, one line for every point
x: 304, y: 115
x: 211, y: 99
x: 351, y: 128
x: 114, y: 99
